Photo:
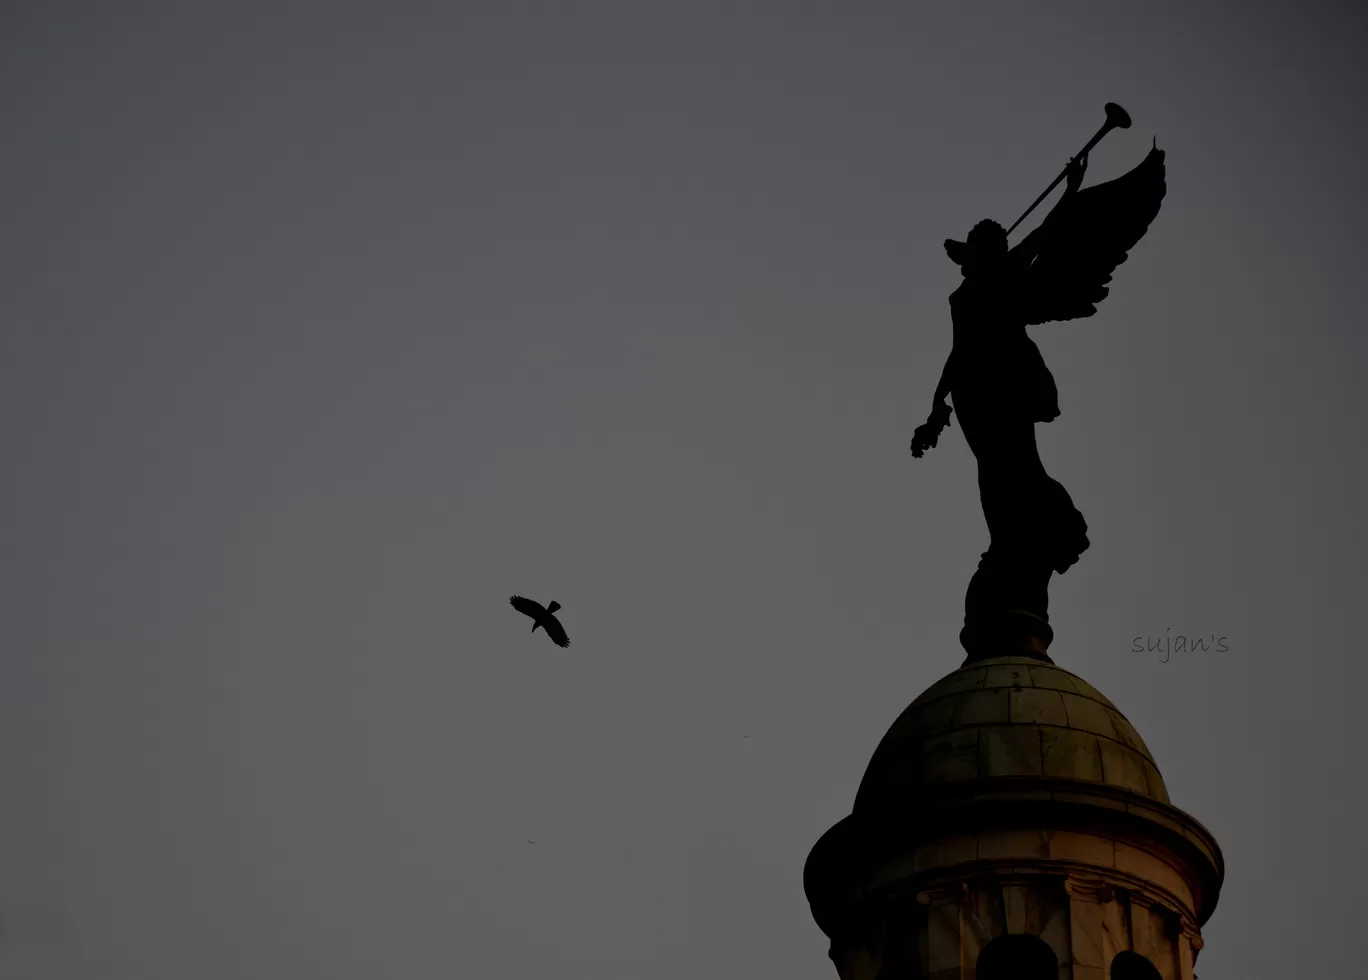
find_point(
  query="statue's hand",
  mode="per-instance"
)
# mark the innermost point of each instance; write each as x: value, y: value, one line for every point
x: 925, y: 436
x: 1076, y: 170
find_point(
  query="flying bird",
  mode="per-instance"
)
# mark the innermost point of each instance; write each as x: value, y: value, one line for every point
x: 542, y: 618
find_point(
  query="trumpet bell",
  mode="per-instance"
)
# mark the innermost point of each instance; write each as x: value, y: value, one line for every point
x: 1116, y: 116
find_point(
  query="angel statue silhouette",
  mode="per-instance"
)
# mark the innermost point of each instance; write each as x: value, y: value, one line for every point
x: 1001, y: 388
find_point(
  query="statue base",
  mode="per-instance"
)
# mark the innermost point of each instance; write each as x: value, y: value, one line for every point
x: 1015, y: 633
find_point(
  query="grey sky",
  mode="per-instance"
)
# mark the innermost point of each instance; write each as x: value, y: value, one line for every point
x: 327, y: 329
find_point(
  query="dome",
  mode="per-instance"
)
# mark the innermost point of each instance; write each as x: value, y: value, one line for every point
x: 1006, y: 720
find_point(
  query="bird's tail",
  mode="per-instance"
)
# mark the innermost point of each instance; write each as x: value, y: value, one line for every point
x: 553, y: 607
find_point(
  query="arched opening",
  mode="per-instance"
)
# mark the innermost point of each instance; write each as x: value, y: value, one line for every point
x: 1017, y: 958
x: 1133, y: 966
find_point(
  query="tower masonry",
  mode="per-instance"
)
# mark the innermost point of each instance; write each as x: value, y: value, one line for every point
x: 1012, y: 823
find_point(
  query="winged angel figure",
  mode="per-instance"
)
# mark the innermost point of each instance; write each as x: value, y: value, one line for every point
x: 1001, y: 388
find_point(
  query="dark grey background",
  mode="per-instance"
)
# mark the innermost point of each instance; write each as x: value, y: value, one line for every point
x: 326, y: 329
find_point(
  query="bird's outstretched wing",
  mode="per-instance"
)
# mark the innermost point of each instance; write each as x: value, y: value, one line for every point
x: 526, y: 606
x: 556, y: 631
x: 1087, y: 237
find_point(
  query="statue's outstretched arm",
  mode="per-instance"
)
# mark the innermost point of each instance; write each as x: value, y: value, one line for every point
x: 925, y: 436
x: 943, y: 386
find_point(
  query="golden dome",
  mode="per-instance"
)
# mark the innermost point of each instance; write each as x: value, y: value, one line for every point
x: 1007, y: 720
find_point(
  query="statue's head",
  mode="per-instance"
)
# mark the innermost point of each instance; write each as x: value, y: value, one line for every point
x: 984, y: 247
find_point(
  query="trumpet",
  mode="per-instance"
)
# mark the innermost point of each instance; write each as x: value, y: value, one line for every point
x: 1117, y: 118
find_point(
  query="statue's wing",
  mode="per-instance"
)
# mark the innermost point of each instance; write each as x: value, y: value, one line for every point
x: 1087, y: 237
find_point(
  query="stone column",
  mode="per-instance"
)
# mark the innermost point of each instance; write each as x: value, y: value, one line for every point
x: 1014, y: 907
x: 1155, y: 934
x: 1141, y: 926
x: 1087, y: 945
x: 944, y: 950
x: 1189, y: 942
